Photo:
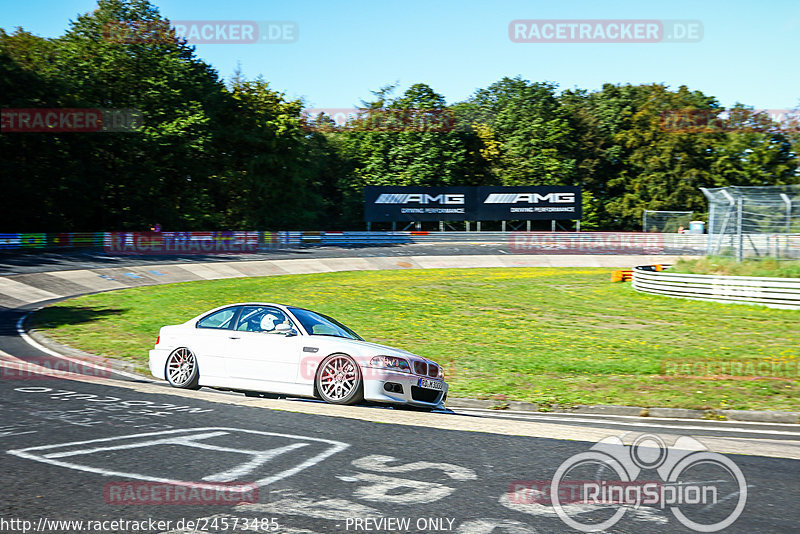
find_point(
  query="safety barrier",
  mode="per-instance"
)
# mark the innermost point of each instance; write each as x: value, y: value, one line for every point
x: 766, y: 291
x: 236, y: 242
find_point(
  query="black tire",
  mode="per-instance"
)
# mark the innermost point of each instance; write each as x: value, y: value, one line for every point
x: 339, y: 380
x: 181, y: 369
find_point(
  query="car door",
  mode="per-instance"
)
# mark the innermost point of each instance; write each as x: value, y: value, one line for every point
x: 212, y: 342
x: 261, y: 356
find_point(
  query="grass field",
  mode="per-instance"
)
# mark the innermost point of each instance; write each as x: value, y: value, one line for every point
x: 723, y: 265
x: 551, y: 336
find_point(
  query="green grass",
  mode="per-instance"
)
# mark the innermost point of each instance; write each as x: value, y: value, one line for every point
x: 551, y: 336
x: 722, y: 265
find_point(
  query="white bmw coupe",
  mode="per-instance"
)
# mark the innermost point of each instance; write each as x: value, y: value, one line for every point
x: 273, y: 350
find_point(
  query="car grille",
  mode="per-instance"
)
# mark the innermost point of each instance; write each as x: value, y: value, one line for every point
x: 425, y: 395
x: 426, y: 369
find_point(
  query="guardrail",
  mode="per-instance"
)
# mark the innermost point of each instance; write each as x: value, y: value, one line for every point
x: 766, y: 291
x: 237, y: 242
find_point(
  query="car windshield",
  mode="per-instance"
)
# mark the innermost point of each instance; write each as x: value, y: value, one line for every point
x: 322, y: 325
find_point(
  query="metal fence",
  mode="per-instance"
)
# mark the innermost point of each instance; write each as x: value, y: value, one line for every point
x: 238, y: 242
x: 754, y: 221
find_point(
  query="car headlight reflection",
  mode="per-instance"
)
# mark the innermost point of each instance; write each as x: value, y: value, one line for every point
x: 390, y: 362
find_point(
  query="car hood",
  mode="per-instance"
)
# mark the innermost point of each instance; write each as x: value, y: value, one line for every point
x: 367, y: 348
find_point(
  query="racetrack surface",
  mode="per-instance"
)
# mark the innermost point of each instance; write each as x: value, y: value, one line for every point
x: 442, y: 472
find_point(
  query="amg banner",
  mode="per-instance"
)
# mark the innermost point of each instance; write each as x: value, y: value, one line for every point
x: 397, y: 203
x: 520, y: 203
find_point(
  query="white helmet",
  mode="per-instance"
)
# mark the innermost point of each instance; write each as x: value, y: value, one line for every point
x: 269, y: 321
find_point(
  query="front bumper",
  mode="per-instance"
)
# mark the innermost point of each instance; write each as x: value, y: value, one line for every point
x: 375, y: 381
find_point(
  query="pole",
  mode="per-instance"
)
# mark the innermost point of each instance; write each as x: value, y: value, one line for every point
x: 788, y: 201
x: 739, y: 237
x: 710, y: 230
x: 578, y: 225
x: 502, y: 226
x: 553, y: 225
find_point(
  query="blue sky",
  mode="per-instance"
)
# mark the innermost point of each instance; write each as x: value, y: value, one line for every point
x: 345, y: 49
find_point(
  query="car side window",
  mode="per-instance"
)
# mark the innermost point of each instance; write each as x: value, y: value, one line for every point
x: 220, y: 319
x: 260, y: 319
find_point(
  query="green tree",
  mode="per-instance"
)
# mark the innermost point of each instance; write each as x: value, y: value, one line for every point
x: 527, y: 135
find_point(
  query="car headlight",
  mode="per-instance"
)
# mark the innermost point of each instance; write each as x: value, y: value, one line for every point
x: 390, y: 362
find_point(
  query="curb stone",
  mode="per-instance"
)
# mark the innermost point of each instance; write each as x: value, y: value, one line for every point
x: 756, y: 416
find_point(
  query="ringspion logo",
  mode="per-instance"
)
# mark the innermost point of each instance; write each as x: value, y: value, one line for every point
x: 591, y: 491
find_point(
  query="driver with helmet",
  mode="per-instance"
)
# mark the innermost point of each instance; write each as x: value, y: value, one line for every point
x: 272, y: 319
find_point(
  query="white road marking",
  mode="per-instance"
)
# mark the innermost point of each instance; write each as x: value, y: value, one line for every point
x: 38, y: 454
x: 186, y: 441
x: 489, y: 526
x: 378, y: 463
x: 248, y: 467
x: 385, y: 490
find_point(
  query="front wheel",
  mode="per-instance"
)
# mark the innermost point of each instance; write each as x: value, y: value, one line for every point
x: 181, y: 369
x: 339, y: 380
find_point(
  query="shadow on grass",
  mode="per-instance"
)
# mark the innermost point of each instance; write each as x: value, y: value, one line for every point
x: 63, y: 315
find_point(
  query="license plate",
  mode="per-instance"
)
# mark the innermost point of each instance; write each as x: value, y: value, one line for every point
x: 431, y: 384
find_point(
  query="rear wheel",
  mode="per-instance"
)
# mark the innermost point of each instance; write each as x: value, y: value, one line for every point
x: 339, y: 380
x: 181, y: 369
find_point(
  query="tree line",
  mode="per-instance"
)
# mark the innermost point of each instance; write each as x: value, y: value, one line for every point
x: 238, y: 154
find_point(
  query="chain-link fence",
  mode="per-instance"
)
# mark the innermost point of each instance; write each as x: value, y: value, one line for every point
x: 666, y: 221
x: 754, y: 221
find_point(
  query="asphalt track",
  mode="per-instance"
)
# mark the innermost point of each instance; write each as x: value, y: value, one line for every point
x: 333, y: 469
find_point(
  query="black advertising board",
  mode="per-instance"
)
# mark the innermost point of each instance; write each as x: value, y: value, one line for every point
x: 520, y: 203
x: 397, y: 203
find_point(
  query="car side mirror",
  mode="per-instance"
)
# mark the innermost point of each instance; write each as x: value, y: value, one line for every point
x: 285, y: 329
